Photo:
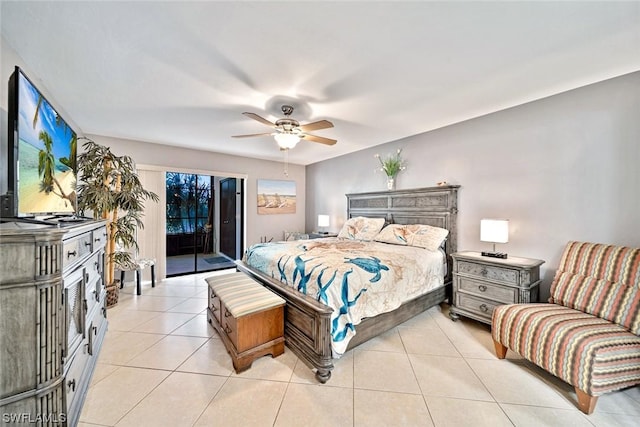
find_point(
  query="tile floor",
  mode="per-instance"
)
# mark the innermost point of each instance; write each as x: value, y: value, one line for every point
x: 162, y: 365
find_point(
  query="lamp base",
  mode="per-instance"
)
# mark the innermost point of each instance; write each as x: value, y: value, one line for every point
x: 495, y: 254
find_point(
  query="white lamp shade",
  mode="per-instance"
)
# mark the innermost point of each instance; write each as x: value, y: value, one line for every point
x: 323, y: 220
x: 494, y: 230
x: 286, y: 140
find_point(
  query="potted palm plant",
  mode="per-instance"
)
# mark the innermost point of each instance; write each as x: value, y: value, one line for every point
x: 110, y: 188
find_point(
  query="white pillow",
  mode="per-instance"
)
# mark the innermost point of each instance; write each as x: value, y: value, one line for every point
x: 361, y: 228
x: 424, y: 236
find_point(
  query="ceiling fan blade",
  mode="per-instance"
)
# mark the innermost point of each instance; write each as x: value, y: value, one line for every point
x: 251, y: 135
x: 319, y: 139
x: 321, y: 124
x: 260, y: 119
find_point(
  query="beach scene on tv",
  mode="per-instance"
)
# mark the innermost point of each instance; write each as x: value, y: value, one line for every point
x: 47, y: 151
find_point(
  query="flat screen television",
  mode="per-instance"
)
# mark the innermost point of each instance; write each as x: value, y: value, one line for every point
x: 42, y: 159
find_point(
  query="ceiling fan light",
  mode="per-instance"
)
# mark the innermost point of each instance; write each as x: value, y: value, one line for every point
x: 286, y: 140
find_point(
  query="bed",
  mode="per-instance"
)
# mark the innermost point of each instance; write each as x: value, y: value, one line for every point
x: 312, y: 327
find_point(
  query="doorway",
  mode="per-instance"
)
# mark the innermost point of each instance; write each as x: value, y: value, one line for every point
x: 193, y: 236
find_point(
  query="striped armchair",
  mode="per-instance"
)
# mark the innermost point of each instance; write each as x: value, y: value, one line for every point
x: 588, y: 334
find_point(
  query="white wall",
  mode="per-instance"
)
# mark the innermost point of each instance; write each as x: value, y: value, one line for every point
x: 563, y: 168
x: 183, y: 159
x: 269, y: 226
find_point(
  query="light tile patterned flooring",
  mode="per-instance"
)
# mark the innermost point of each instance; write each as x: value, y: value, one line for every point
x: 162, y: 365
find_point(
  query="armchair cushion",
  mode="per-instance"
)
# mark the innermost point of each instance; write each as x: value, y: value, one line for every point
x: 588, y: 352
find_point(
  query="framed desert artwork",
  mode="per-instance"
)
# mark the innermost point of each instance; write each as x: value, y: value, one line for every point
x: 276, y: 197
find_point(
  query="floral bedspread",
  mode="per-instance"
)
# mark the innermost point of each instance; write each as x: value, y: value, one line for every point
x: 357, y: 279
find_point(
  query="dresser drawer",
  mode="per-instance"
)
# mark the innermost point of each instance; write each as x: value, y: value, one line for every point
x: 74, y: 376
x: 99, y: 238
x: 94, y: 329
x: 478, y: 306
x: 489, y: 272
x: 75, y: 249
x: 486, y: 290
x: 94, y: 267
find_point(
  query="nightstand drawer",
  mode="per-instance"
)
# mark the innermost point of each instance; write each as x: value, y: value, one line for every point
x: 478, y: 306
x: 489, y: 272
x: 486, y: 290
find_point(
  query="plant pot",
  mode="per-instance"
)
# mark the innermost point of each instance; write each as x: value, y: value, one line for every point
x: 113, y: 292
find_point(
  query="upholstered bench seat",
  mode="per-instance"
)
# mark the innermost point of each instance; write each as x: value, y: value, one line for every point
x: 248, y: 317
x: 588, y: 352
x: 242, y: 295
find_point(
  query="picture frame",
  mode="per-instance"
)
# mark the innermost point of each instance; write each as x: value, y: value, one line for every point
x: 276, y: 197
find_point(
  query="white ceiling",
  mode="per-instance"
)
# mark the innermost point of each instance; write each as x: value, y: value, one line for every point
x: 181, y: 73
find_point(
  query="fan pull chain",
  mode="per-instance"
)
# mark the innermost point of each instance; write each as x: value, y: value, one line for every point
x: 286, y: 162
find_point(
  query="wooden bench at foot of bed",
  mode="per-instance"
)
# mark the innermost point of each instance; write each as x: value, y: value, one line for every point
x: 248, y: 317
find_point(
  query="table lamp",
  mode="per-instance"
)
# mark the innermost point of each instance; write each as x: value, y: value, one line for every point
x: 323, y: 221
x: 494, y: 231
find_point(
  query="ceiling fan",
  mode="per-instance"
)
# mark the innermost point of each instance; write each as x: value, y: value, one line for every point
x: 288, y: 132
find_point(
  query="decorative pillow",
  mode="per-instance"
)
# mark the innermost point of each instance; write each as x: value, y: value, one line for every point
x: 396, y: 234
x: 361, y: 228
x: 423, y: 236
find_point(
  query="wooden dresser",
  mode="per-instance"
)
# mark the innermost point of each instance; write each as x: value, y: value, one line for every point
x: 480, y: 283
x: 52, y: 319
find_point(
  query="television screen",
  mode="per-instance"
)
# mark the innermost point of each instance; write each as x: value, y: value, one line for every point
x: 44, y: 151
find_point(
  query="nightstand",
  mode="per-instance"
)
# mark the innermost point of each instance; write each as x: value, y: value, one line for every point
x: 317, y: 235
x: 481, y: 283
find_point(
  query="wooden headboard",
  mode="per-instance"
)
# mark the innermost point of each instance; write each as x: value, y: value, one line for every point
x: 435, y: 206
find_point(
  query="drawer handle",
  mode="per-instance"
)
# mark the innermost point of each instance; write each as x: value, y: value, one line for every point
x: 226, y: 313
x: 484, y: 271
x: 72, y: 384
x: 71, y: 253
x: 227, y: 329
x: 484, y: 308
x: 482, y: 288
x: 97, y: 239
x: 87, y: 243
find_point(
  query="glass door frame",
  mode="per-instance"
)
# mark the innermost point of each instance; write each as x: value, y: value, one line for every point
x: 198, y: 221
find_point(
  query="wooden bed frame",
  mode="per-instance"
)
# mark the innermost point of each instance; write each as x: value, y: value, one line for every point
x: 308, y: 322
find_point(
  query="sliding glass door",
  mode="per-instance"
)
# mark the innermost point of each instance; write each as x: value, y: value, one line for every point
x: 190, y: 234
